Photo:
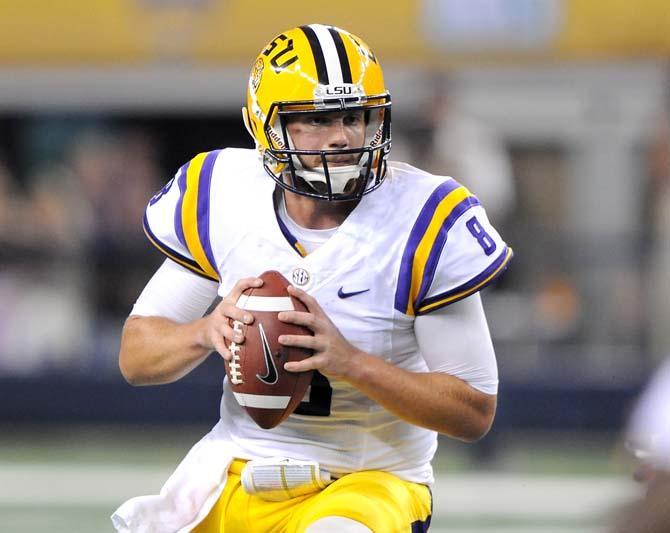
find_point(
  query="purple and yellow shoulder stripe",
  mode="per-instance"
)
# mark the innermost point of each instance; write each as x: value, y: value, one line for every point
x: 448, y: 202
x: 191, y: 217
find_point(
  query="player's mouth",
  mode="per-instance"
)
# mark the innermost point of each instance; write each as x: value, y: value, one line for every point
x: 341, y: 161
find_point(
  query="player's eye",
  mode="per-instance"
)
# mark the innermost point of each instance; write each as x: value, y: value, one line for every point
x: 353, y: 119
x: 320, y: 120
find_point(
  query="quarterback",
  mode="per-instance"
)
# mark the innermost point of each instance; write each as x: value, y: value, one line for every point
x: 388, y: 260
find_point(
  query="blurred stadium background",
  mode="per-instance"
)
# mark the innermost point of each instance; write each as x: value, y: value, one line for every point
x: 555, y: 112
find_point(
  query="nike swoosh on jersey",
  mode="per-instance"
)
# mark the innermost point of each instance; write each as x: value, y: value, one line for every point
x: 343, y: 294
x: 270, y: 377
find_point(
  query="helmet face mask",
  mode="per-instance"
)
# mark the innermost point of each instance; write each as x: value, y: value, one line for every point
x: 315, y: 70
x: 325, y: 179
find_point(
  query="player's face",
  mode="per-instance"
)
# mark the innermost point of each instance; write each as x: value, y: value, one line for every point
x: 328, y: 131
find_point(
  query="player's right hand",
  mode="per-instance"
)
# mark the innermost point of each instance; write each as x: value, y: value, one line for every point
x: 218, y: 332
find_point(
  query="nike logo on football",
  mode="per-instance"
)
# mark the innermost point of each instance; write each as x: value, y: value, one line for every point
x: 270, y: 377
x: 343, y: 294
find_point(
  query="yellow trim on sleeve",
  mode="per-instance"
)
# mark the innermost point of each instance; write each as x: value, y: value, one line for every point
x: 444, y: 208
x: 189, y: 216
x: 471, y: 290
x: 176, y: 259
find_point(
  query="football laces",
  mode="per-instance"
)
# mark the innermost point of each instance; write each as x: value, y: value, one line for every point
x: 234, y: 365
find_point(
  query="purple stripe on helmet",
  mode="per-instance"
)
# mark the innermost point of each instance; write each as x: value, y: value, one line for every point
x: 466, y: 289
x: 415, y: 236
x: 438, y: 245
x: 204, y: 186
x: 178, y: 223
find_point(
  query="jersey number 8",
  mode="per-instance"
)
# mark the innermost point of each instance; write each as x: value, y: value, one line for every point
x: 483, y: 238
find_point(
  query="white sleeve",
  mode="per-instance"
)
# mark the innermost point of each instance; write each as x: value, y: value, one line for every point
x: 455, y: 340
x: 452, y: 251
x: 472, y: 255
x: 176, y: 293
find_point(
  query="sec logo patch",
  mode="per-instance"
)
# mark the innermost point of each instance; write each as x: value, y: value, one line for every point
x: 300, y: 277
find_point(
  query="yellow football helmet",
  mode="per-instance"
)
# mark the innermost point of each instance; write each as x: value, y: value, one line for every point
x: 319, y: 69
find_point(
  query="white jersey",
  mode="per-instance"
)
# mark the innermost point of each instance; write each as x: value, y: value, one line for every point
x: 416, y: 244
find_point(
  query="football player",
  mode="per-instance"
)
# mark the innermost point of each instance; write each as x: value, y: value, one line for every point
x: 388, y: 260
x: 648, y: 432
x: 648, y: 437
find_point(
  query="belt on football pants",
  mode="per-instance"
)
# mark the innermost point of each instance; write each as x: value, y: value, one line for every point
x: 280, y: 478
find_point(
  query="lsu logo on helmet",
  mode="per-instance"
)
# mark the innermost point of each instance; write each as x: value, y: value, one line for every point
x: 319, y: 69
x: 256, y: 74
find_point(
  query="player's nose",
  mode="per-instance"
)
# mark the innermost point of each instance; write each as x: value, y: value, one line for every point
x: 337, y: 134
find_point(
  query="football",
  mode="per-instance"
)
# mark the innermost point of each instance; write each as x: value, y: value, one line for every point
x: 256, y: 374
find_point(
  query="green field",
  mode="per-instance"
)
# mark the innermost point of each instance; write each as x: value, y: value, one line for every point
x: 62, y: 479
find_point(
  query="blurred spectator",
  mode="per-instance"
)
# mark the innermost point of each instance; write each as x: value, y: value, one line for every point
x: 658, y: 287
x: 557, y: 309
x: 59, y: 211
x: 117, y: 174
x: 15, y: 217
x: 73, y: 251
x: 39, y: 281
x: 472, y: 151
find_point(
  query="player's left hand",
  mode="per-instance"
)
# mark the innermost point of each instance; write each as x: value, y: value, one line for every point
x: 333, y: 356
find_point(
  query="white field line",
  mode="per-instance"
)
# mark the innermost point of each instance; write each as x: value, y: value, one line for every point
x: 75, y: 484
x: 470, y: 496
x: 505, y: 495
